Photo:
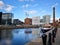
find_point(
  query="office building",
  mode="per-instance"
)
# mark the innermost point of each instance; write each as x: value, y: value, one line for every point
x: 41, y: 21
x: 46, y: 19
x: 36, y: 20
x: 17, y: 22
x: 7, y: 18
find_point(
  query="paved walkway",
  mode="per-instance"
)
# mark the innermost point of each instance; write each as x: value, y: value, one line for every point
x: 39, y: 40
x: 57, y: 40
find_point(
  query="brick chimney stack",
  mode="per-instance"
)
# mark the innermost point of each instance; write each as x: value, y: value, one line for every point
x: 53, y: 16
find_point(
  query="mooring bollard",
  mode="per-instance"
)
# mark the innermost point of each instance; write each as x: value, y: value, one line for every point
x: 55, y: 31
x: 53, y: 36
x: 44, y: 39
x: 49, y: 39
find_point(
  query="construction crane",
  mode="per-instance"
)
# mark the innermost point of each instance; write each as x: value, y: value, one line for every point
x: 27, y: 15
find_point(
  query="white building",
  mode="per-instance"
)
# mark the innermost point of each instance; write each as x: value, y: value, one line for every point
x: 36, y: 20
x: 46, y: 19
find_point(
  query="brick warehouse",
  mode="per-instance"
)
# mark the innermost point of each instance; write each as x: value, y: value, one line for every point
x: 28, y: 21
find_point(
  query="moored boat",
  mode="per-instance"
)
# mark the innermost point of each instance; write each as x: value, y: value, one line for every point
x: 28, y: 31
x: 46, y: 28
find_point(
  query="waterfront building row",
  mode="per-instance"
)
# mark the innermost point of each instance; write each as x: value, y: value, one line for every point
x: 8, y: 19
x: 36, y: 20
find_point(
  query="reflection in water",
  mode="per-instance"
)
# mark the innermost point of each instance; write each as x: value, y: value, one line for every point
x: 28, y: 31
x: 6, y: 37
x: 18, y: 36
x: 26, y: 37
x: 6, y: 34
x: 36, y: 32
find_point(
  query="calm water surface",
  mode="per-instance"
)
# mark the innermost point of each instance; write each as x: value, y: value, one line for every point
x: 19, y: 37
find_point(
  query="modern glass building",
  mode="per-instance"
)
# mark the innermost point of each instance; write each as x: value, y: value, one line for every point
x: 7, y: 18
x: 0, y: 18
x: 46, y: 19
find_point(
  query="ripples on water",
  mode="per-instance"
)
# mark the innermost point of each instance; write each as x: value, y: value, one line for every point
x: 19, y: 37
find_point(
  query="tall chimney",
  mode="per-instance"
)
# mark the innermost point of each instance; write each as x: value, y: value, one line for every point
x: 53, y: 16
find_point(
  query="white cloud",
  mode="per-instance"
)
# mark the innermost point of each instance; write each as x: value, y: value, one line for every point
x: 56, y: 4
x: 8, y: 8
x: 29, y: 5
x: 43, y: 11
x: 1, y: 4
x: 25, y: 6
x: 31, y: 12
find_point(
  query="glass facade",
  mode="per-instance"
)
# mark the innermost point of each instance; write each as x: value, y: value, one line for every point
x: 7, y: 18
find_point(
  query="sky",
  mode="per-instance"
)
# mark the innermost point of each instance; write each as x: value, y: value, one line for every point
x: 29, y: 8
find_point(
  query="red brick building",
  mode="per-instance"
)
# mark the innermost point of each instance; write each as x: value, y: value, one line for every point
x: 59, y: 21
x: 28, y: 21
